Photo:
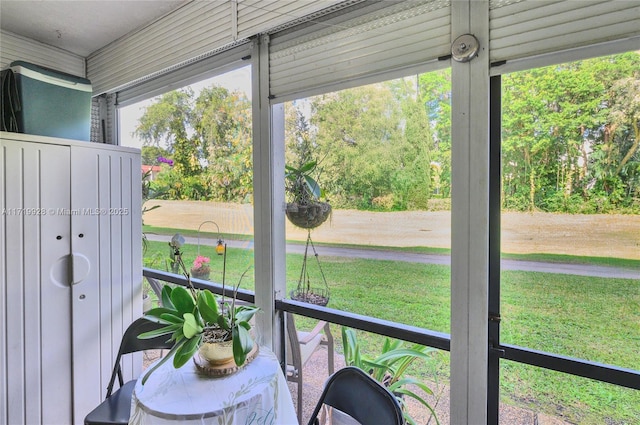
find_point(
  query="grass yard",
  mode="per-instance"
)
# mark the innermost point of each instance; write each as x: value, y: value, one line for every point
x: 593, y: 318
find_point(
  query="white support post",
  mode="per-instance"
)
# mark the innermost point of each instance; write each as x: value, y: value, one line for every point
x: 470, y: 218
x: 268, y: 189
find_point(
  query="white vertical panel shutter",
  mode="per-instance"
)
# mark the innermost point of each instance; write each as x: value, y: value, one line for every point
x: 257, y: 16
x: 218, y: 64
x: 196, y: 29
x: 191, y: 33
x: 529, y: 28
x: 14, y: 47
x: 351, y: 46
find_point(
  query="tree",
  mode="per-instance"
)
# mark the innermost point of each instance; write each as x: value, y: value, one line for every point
x: 615, y: 163
x: 557, y: 124
x: 375, y: 144
x: 150, y: 154
x: 223, y: 123
x: 167, y: 124
x: 209, y: 139
x: 435, y: 94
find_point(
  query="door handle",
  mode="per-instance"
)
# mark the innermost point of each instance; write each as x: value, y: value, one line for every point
x: 80, y: 267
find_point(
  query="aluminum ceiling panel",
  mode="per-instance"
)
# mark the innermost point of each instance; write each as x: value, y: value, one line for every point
x: 257, y: 16
x: 398, y: 36
x: 190, y: 32
x: 530, y: 28
x: 15, y: 48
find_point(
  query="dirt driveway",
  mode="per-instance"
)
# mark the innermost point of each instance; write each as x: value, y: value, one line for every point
x: 601, y: 235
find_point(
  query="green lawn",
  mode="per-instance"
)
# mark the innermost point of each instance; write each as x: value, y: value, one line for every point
x: 593, y: 318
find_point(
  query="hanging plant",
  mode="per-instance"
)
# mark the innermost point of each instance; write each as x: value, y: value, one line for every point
x: 304, y: 208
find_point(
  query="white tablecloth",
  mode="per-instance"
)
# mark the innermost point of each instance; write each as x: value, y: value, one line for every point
x: 255, y: 395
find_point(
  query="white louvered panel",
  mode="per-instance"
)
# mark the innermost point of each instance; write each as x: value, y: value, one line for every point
x: 191, y: 31
x: 531, y: 28
x: 400, y: 36
x: 14, y: 47
x: 256, y: 16
x: 217, y: 64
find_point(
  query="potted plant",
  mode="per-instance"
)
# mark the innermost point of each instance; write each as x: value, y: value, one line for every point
x: 200, y: 268
x: 304, y: 208
x: 194, y: 318
x: 390, y: 367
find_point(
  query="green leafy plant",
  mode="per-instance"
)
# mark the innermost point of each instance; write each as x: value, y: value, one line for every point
x: 301, y: 185
x: 390, y: 367
x: 193, y: 316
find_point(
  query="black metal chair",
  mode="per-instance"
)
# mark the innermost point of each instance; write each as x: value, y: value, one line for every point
x: 116, y: 408
x: 357, y: 394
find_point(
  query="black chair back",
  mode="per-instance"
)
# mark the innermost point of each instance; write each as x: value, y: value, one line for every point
x: 131, y: 343
x: 357, y: 394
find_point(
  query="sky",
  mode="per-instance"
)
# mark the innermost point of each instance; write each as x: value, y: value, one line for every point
x: 236, y: 80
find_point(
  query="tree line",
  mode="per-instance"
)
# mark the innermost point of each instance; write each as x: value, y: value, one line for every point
x: 570, y: 141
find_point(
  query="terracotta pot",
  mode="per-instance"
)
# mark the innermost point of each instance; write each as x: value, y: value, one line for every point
x: 217, y: 353
x: 200, y: 275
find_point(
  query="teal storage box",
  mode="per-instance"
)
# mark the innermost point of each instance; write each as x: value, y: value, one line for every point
x: 52, y: 103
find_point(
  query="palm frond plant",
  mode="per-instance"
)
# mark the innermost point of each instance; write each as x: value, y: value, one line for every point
x: 390, y: 368
x: 193, y: 316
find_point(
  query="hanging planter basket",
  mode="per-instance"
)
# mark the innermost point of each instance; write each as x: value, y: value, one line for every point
x: 304, y: 292
x: 308, y: 216
x: 314, y: 296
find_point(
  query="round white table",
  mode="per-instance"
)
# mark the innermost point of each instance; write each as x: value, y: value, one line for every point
x: 257, y: 394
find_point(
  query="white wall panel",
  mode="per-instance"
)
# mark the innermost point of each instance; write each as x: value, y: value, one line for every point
x: 530, y: 28
x: 14, y: 47
x: 402, y: 34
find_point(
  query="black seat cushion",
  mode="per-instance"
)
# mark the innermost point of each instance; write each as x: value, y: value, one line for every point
x: 115, y: 409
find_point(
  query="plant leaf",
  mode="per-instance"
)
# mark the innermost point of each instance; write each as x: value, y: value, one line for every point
x: 159, y: 332
x: 186, y: 351
x: 191, y: 327
x: 242, y: 344
x: 313, y: 186
x: 308, y: 167
x: 171, y: 318
x: 162, y: 361
x: 182, y: 300
x: 245, y: 313
x: 208, y: 306
x: 166, y: 297
x: 418, y: 399
x: 224, y: 323
x: 155, y: 313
